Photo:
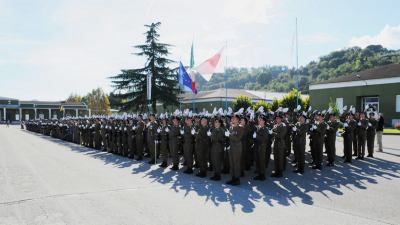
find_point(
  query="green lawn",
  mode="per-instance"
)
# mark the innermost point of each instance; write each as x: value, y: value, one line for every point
x: 391, y: 131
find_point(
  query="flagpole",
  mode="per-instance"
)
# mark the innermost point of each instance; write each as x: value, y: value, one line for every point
x: 225, y: 75
x: 297, y: 68
x: 194, y: 102
x: 191, y: 64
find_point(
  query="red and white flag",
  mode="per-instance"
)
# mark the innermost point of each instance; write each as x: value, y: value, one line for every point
x: 208, y: 67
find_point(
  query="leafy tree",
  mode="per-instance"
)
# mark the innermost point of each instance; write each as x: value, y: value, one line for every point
x: 267, y: 106
x: 306, y: 102
x: 242, y: 102
x: 290, y: 100
x: 115, y: 102
x: 334, y: 106
x: 74, y: 98
x: 98, y: 102
x: 275, y: 104
x: 131, y: 84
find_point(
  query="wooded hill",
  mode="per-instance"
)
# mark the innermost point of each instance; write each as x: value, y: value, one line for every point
x: 283, y: 79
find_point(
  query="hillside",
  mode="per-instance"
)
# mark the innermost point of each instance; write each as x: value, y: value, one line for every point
x: 282, y: 78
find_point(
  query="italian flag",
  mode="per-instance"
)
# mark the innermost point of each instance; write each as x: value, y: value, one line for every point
x: 208, y: 67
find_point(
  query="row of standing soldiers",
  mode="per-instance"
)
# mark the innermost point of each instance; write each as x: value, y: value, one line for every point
x: 222, y: 144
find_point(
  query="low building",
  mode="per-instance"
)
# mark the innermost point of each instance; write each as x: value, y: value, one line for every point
x: 15, y: 110
x: 379, y: 87
x: 221, y: 98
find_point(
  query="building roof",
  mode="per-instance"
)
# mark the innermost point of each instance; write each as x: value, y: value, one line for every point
x: 36, y: 102
x: 8, y: 99
x: 230, y: 93
x: 380, y: 72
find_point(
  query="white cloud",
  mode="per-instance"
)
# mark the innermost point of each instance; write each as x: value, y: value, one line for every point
x: 84, y: 42
x: 389, y: 37
x: 253, y: 11
x: 318, y: 38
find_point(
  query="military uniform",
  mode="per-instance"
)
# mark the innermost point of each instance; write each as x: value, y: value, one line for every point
x: 151, y: 138
x: 124, y: 140
x: 279, y: 134
x: 362, y: 137
x: 173, y: 139
x: 103, y: 133
x: 131, y: 141
x: 247, y: 153
x: 348, y: 140
x: 217, y: 151
x: 97, y: 136
x: 163, y: 137
x: 202, y: 147
x: 188, y: 147
x: 299, y: 140
x: 371, y: 131
x: 330, y: 144
x: 355, y: 137
x: 139, y: 139
x: 236, y: 133
x: 261, y: 135
x: 319, y: 130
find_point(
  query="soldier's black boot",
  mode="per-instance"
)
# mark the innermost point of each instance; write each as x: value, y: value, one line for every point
x: 236, y: 181
x: 277, y: 175
x: 175, y: 167
x: 259, y: 177
x: 230, y: 182
x: 216, y: 177
x: 201, y: 174
x: 298, y: 171
x: 317, y: 167
x: 188, y: 171
x: 225, y: 171
x: 164, y: 165
x: 330, y: 164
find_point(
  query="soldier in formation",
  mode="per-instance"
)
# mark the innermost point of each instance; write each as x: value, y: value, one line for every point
x: 223, y: 141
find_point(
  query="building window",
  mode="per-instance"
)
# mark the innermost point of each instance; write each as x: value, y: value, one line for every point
x: 370, y: 102
x: 339, y: 103
x: 397, y: 103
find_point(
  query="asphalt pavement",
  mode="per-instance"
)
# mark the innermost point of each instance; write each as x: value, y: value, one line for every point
x: 48, y: 181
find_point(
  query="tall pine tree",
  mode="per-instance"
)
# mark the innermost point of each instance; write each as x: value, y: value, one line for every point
x: 131, y: 86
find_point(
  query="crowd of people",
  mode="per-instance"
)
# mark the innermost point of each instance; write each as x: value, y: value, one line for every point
x: 224, y: 141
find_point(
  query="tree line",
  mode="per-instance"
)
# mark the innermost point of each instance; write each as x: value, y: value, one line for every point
x: 283, y: 78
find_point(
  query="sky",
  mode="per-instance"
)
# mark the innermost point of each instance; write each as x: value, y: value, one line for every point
x: 50, y: 49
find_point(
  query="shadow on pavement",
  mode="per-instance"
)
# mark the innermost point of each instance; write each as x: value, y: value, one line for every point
x: 283, y: 191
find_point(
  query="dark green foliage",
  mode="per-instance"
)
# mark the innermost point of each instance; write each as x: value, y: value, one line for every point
x: 242, y: 102
x: 290, y: 101
x: 283, y: 79
x: 267, y: 106
x: 333, y: 105
x: 130, y: 85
